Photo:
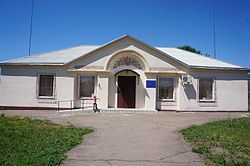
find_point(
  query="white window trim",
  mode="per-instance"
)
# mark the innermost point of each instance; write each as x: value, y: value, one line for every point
x: 54, y: 86
x: 213, y: 90
x: 78, y: 86
x: 174, y: 91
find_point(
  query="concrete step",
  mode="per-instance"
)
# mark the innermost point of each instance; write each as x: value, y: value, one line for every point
x: 111, y: 110
x: 126, y: 110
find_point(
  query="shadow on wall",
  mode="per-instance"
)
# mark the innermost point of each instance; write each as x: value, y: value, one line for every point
x: 190, y: 91
x: 146, y: 92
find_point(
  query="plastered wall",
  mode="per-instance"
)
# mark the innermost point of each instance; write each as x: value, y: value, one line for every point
x: 230, y: 92
x: 18, y: 86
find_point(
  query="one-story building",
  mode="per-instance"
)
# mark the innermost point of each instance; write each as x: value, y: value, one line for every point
x: 125, y: 73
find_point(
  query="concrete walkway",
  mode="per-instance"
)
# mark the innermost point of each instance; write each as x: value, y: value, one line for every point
x: 134, y: 139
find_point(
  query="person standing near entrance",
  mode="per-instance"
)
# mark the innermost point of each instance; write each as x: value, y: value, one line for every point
x: 95, y: 108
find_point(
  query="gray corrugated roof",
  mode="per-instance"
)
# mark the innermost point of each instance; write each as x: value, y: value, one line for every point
x: 196, y: 60
x: 59, y: 57
x: 68, y: 55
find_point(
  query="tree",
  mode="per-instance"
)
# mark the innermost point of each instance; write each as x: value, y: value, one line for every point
x: 190, y: 49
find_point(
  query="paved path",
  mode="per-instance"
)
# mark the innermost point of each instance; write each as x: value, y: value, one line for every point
x: 131, y: 139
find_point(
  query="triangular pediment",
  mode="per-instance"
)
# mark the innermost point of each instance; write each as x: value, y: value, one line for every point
x: 122, y: 49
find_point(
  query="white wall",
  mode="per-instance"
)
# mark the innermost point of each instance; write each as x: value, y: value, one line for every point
x: 102, y: 90
x: 18, y: 86
x: 230, y: 92
x: 150, y: 94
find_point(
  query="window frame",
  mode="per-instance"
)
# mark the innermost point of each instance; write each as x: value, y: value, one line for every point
x: 54, y: 86
x: 174, y: 89
x: 78, y: 85
x: 213, y: 90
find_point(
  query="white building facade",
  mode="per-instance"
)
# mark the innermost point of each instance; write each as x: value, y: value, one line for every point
x: 124, y: 74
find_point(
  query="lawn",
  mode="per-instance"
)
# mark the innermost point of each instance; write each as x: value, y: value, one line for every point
x: 24, y: 141
x: 222, y: 142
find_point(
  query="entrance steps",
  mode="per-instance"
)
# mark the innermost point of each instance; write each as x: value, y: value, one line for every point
x: 121, y: 110
x: 110, y: 110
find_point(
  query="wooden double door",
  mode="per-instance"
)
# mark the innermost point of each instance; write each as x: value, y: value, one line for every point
x: 126, y: 91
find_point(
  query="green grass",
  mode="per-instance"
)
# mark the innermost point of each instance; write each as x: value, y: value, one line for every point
x: 222, y: 142
x: 35, y: 142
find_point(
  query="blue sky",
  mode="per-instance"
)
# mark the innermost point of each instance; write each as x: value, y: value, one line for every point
x: 65, y: 23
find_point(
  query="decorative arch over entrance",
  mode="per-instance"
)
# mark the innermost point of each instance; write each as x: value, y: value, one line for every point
x: 127, y: 59
x: 126, y: 85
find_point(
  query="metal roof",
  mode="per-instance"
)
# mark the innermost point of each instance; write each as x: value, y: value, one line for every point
x: 59, y: 57
x: 196, y: 60
x: 65, y: 56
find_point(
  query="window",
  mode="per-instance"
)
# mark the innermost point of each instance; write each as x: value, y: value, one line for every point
x: 86, y: 86
x: 166, y: 88
x: 46, y: 85
x: 206, y: 89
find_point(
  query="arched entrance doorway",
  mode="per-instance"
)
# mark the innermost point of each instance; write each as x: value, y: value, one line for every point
x: 126, y: 80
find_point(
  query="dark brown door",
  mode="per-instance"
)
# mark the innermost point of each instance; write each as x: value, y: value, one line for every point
x: 126, y: 91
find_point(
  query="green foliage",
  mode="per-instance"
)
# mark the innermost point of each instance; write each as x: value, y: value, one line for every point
x: 228, y: 141
x: 218, y: 159
x: 36, y: 142
x: 190, y: 49
x: 201, y: 149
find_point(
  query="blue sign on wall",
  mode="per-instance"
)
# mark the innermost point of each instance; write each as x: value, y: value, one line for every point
x: 150, y: 84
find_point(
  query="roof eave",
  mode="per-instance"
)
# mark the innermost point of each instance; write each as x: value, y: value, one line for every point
x: 31, y: 64
x: 219, y: 68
